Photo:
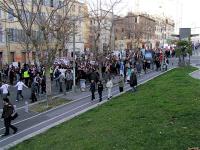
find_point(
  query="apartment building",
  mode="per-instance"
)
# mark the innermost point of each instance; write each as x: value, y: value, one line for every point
x: 142, y: 30
x: 124, y: 30
x: 12, y: 37
x: 101, y: 26
x: 80, y: 12
x: 164, y: 30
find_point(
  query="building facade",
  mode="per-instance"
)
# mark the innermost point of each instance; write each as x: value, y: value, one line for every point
x: 142, y: 31
x: 12, y: 38
x: 101, y: 29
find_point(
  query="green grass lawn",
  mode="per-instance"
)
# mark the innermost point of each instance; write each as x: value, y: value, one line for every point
x: 163, y: 115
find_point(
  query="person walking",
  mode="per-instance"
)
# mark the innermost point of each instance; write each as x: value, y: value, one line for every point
x: 145, y: 66
x: 20, y: 86
x: 43, y: 85
x: 92, y: 89
x: 5, y: 91
x: 11, y: 75
x: 37, y: 81
x: 8, y: 110
x: 109, y: 85
x: 69, y: 79
x: 139, y: 68
x: 61, y: 80
x: 100, y: 90
x: 33, y: 92
x: 56, y: 75
x: 133, y: 80
x: 26, y: 77
x: 121, y: 83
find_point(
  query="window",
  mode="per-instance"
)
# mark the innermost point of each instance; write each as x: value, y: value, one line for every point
x: 60, y: 52
x: 10, y: 35
x: 60, y: 3
x: 79, y: 9
x: 136, y: 20
x: 33, y: 56
x: 73, y: 8
x: 24, y: 57
x: 1, y: 57
x: 80, y: 38
x: 51, y: 3
x: 12, y: 56
x: 14, y: 35
x: 10, y: 15
x: 1, y: 34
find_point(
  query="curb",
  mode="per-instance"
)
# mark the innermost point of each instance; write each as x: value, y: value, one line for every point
x: 198, y: 70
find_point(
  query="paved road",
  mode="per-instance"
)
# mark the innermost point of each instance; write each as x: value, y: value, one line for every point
x: 29, y: 123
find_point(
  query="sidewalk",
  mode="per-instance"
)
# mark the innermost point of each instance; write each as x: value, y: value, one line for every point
x: 195, y: 74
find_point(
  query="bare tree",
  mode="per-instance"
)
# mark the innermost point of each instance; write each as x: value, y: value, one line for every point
x: 144, y: 29
x: 99, y: 12
x: 52, y: 26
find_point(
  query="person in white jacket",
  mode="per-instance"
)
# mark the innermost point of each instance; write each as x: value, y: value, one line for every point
x: 20, y: 86
x: 4, y: 88
x: 109, y: 85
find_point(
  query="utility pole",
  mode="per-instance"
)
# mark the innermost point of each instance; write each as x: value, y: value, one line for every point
x: 7, y: 42
x: 74, y: 59
x: 113, y: 32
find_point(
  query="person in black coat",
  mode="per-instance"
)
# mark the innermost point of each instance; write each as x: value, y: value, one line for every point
x: 92, y: 89
x: 100, y: 90
x: 133, y: 80
x: 8, y: 110
x: 33, y: 92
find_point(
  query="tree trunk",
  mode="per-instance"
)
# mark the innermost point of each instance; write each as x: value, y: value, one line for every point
x: 189, y: 59
x: 29, y: 61
x: 48, y: 85
x: 183, y: 60
x: 100, y: 71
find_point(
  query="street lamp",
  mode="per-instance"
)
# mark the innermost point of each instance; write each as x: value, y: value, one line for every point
x: 74, y: 19
x: 163, y: 28
x: 8, y: 44
x: 74, y: 59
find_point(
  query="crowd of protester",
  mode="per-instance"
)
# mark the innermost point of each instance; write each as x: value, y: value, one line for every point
x: 87, y: 71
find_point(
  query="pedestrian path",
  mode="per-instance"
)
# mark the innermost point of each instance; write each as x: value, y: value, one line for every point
x: 195, y: 74
x: 38, y: 123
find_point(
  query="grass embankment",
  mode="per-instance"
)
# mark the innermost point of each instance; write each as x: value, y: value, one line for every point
x: 163, y: 115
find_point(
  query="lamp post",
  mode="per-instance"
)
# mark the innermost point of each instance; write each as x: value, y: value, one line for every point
x: 163, y: 35
x: 74, y: 59
x: 8, y: 44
